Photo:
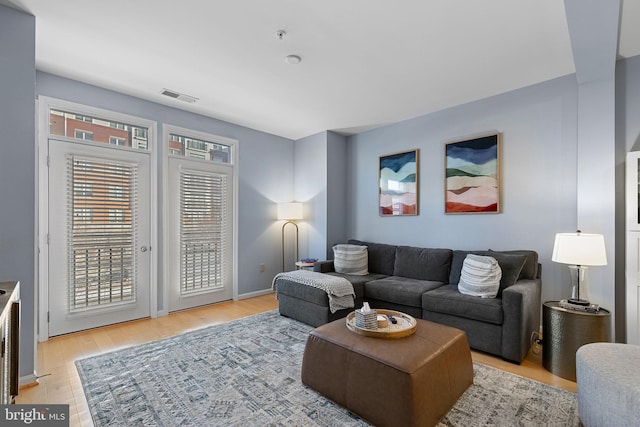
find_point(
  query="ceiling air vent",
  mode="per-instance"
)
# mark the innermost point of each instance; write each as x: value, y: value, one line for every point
x: 179, y: 96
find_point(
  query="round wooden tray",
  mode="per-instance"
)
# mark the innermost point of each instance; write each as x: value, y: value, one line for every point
x: 406, y: 325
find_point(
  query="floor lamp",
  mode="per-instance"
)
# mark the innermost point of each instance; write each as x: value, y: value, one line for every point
x: 289, y: 212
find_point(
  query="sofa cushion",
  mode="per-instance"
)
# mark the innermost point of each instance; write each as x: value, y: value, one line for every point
x: 381, y: 256
x: 422, y: 263
x: 530, y: 268
x: 399, y: 290
x: 446, y: 299
x: 480, y: 276
x: 511, y: 266
x: 350, y: 259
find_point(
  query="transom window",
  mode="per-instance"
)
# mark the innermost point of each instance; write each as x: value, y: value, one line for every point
x: 180, y: 145
x: 89, y: 128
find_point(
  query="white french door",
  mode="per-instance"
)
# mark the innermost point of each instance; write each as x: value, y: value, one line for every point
x: 200, y: 233
x: 99, y: 234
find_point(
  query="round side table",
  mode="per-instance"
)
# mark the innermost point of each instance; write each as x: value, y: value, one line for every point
x: 564, y: 331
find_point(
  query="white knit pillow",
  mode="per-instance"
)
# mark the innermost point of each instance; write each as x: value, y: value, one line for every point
x: 351, y: 259
x: 480, y: 276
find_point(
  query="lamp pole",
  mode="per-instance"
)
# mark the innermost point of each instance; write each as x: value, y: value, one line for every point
x: 283, y: 226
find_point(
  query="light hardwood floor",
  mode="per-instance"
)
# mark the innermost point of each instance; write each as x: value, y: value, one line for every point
x: 60, y: 383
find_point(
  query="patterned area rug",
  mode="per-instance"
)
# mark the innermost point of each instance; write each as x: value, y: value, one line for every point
x: 247, y: 373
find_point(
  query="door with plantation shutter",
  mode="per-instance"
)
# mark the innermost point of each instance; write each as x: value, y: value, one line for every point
x: 99, y: 233
x: 200, y: 233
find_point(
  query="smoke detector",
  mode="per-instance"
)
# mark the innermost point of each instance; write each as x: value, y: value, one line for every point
x: 292, y: 59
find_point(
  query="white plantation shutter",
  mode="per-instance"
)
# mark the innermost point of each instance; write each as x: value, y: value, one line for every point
x: 203, y: 224
x: 101, y: 233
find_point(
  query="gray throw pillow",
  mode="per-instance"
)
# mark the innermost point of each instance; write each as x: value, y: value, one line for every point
x: 511, y: 266
x: 530, y: 268
x: 350, y: 259
x: 480, y: 276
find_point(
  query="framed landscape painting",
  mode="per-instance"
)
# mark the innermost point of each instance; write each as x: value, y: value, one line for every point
x: 398, y: 184
x: 472, y: 175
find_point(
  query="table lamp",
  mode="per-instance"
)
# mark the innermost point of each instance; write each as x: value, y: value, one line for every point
x: 290, y: 212
x: 579, y: 250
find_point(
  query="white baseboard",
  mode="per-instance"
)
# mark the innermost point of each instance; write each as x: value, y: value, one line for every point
x: 255, y: 294
x: 242, y: 296
x: 28, y: 380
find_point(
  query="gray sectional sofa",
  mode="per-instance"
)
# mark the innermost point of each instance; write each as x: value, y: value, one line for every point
x: 423, y: 282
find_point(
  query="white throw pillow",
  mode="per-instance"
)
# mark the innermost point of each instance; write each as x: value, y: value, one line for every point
x: 480, y: 276
x: 351, y: 259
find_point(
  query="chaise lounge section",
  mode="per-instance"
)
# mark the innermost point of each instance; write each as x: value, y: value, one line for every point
x: 423, y: 282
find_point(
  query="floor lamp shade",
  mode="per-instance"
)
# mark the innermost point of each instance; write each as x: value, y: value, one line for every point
x: 289, y: 212
x: 579, y: 250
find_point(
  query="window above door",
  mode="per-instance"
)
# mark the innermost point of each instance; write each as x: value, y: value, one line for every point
x: 211, y: 147
x: 98, y: 129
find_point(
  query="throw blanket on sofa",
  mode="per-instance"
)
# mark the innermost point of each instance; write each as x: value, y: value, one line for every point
x: 338, y: 289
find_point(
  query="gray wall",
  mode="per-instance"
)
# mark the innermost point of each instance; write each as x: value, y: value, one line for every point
x: 538, y: 167
x: 337, y: 184
x: 311, y: 189
x: 321, y: 182
x: 628, y: 105
x: 627, y: 139
x: 593, y: 31
x: 17, y: 166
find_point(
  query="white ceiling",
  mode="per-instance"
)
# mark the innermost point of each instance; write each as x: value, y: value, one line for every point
x: 365, y: 63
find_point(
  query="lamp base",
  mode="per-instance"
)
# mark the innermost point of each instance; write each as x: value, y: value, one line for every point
x: 578, y: 274
x: 579, y: 301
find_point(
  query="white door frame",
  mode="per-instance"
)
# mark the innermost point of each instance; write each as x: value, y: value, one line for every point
x: 42, y: 285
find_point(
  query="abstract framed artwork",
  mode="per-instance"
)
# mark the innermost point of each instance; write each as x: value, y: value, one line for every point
x: 398, y: 184
x: 472, y: 175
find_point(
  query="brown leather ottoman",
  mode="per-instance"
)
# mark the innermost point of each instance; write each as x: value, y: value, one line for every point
x: 411, y: 381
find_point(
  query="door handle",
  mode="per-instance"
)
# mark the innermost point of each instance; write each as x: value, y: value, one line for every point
x: 144, y: 249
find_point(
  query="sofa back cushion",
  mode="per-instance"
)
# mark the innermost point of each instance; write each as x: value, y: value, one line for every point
x: 510, y: 264
x: 422, y: 263
x: 530, y: 268
x: 457, y: 258
x: 382, y: 257
x: 350, y: 259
